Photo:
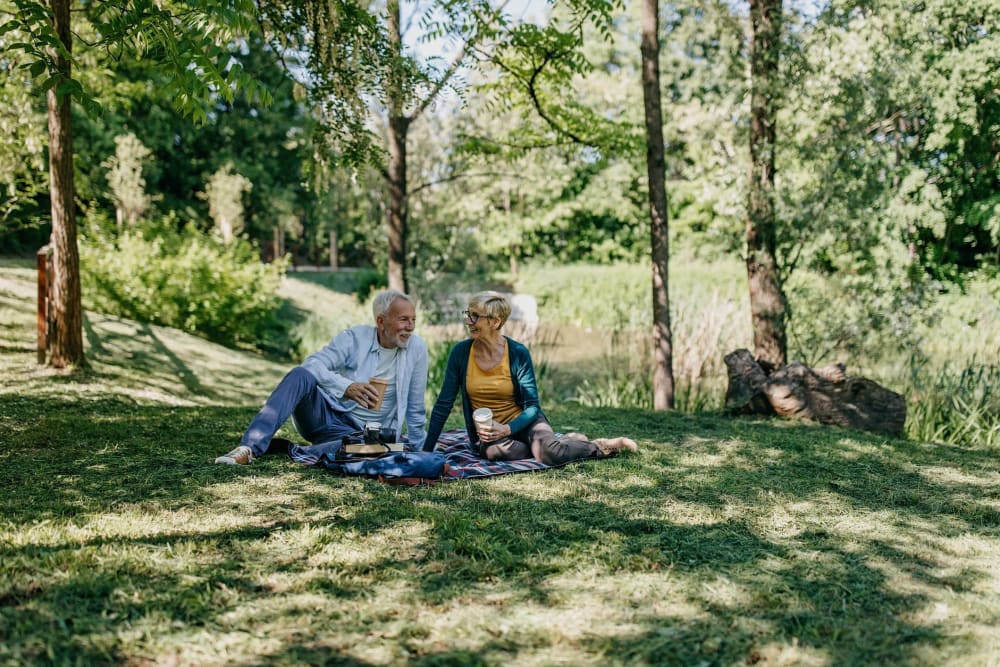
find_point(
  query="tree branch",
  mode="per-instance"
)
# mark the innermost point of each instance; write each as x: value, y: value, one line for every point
x: 460, y: 176
x: 456, y: 63
x: 536, y: 102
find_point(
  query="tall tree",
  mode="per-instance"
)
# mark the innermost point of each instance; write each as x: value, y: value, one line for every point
x: 663, y: 374
x: 470, y: 23
x: 66, y: 314
x: 359, y: 67
x: 555, y: 59
x: 185, y: 41
x: 768, y: 305
x: 395, y: 173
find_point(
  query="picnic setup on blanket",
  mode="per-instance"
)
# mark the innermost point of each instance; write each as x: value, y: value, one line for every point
x: 454, y: 459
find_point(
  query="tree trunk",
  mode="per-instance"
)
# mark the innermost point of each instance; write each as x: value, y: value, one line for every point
x: 767, y: 300
x: 399, y: 126
x: 663, y: 374
x: 66, y: 337
x: 333, y: 250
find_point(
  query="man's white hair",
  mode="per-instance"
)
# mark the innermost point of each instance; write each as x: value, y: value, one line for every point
x: 383, y: 301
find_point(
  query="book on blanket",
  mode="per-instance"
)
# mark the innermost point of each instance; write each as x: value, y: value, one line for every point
x: 373, y: 448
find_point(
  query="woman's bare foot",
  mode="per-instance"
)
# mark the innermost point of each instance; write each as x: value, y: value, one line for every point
x: 610, y: 446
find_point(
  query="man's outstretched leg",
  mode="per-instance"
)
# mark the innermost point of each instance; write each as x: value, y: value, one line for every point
x: 297, y: 394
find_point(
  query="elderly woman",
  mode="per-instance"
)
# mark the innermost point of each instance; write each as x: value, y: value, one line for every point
x: 495, y: 372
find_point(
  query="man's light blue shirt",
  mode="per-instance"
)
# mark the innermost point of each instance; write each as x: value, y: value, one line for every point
x: 352, y: 356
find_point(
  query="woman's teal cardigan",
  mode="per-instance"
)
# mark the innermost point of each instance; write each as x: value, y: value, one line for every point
x: 525, y: 391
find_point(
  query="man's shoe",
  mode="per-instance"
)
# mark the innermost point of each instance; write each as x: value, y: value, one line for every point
x: 612, y: 446
x: 240, y: 456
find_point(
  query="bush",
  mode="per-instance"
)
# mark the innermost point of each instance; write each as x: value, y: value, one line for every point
x: 185, y: 280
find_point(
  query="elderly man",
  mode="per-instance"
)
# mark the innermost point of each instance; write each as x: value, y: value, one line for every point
x: 330, y: 396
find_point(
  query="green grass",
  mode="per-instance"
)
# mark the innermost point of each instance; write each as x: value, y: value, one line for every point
x: 722, y: 542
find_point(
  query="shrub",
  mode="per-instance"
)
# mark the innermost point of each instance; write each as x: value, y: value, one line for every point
x: 185, y: 280
x: 834, y: 318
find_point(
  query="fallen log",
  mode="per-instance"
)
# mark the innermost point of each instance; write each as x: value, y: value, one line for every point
x: 825, y: 395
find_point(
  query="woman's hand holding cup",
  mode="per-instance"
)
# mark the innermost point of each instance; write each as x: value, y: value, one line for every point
x: 483, y: 417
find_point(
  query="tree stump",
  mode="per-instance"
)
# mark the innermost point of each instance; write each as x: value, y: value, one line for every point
x: 826, y: 395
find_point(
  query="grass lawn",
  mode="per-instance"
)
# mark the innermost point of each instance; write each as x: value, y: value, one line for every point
x: 722, y: 542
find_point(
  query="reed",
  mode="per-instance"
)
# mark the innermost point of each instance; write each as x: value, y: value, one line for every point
x: 704, y: 328
x: 956, y: 404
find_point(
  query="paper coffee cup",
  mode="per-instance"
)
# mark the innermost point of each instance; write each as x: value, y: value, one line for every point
x: 483, y: 416
x: 380, y: 386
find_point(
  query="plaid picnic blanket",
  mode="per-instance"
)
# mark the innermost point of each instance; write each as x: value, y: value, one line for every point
x: 463, y: 461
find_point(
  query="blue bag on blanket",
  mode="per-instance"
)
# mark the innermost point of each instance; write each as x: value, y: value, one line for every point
x: 425, y: 465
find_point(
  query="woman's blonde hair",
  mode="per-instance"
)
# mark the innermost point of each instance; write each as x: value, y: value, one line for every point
x: 493, y: 303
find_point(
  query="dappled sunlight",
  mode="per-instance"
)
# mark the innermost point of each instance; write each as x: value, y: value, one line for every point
x: 316, y: 298
x: 128, y: 360
x: 723, y: 592
x: 402, y: 543
x: 984, y: 479
x: 581, y: 607
x: 134, y: 523
x: 781, y: 523
x: 731, y: 453
x: 167, y: 362
x: 365, y: 629
x: 250, y: 631
x: 536, y: 487
x: 253, y: 497
x: 791, y: 654
x: 689, y: 514
x: 630, y: 482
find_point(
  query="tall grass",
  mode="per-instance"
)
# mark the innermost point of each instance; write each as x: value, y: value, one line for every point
x: 619, y: 295
x: 703, y: 330
x: 957, y: 405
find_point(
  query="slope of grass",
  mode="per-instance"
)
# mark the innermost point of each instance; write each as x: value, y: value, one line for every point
x: 722, y: 542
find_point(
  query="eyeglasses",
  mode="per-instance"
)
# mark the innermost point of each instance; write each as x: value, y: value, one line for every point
x: 472, y: 317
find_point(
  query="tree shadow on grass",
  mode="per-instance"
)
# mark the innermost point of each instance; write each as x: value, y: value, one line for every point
x: 168, y: 363
x: 826, y: 593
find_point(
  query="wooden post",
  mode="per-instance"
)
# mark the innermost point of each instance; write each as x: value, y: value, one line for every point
x: 333, y: 250
x: 44, y: 268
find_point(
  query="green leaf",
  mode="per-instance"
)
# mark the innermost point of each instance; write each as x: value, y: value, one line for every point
x: 91, y: 106
x: 48, y: 83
